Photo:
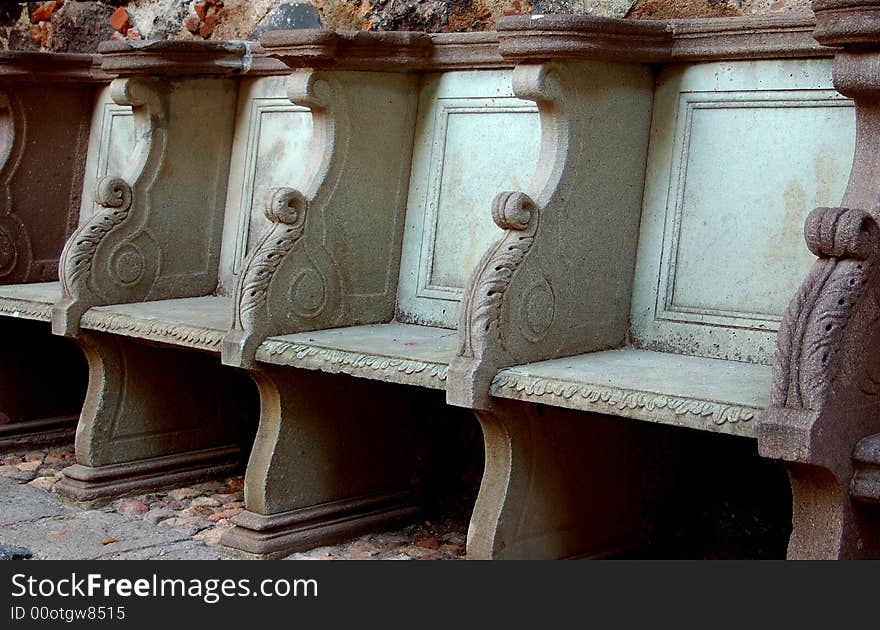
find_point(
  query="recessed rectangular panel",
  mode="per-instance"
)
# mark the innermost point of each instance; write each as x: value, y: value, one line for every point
x: 474, y: 139
x: 740, y: 154
x: 111, y: 143
x: 272, y: 136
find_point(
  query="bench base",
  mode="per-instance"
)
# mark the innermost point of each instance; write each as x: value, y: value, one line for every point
x: 99, y: 485
x: 562, y: 484
x: 33, y: 433
x: 274, y: 536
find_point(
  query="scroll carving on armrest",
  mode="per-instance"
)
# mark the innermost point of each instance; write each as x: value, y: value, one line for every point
x: 286, y: 208
x: 825, y: 394
x: 480, y: 339
x: 112, y: 258
x: 340, y: 266
x: 289, y: 281
x: 824, y: 352
x: 525, y: 301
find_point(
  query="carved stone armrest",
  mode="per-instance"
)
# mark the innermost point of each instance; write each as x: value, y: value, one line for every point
x: 558, y: 281
x: 158, y: 234
x: 331, y: 257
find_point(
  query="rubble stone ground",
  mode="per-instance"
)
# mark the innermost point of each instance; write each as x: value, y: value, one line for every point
x: 181, y: 523
x: 724, y: 503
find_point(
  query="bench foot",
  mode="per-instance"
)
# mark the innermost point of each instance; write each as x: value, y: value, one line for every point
x: 42, y: 385
x: 827, y: 524
x: 155, y: 416
x: 833, y: 515
x: 558, y: 484
x: 278, y: 535
x: 334, y: 457
x: 99, y: 485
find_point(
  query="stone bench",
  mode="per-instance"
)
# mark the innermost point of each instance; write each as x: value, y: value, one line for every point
x: 731, y: 325
x: 148, y: 282
x: 350, y: 343
x: 150, y: 250
x: 379, y: 284
x: 45, y: 109
x: 463, y: 300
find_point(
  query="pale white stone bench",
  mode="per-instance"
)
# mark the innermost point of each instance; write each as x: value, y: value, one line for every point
x: 161, y: 408
x: 143, y: 270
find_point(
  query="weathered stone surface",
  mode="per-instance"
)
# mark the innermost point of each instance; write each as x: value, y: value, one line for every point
x: 131, y: 507
x: 44, y: 483
x: 181, y: 550
x: 157, y: 515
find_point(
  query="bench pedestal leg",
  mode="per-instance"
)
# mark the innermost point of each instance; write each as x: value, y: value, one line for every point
x: 827, y: 524
x: 42, y: 384
x: 834, y: 480
x: 559, y: 484
x: 153, y: 417
x: 333, y: 459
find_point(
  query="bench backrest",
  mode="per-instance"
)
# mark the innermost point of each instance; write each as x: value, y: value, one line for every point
x: 740, y: 152
x: 44, y: 127
x: 473, y: 139
x: 268, y: 149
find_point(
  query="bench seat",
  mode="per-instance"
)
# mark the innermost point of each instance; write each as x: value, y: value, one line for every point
x: 396, y: 353
x: 685, y: 391
x: 30, y: 301
x: 198, y: 322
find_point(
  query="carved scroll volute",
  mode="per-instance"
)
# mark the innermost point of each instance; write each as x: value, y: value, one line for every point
x: 15, y: 245
x: 483, y: 314
x: 289, y: 282
x: 112, y: 258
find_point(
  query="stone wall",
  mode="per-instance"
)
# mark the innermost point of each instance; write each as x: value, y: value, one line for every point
x: 70, y: 26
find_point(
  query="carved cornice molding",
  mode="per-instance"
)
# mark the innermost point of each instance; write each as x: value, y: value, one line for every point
x: 389, y: 369
x: 544, y: 37
x: 852, y: 24
x: 540, y: 37
x: 173, y: 58
x: 354, y: 50
x: 55, y: 67
x: 745, y: 38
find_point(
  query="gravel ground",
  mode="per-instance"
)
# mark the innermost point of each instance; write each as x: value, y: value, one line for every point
x: 180, y: 523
